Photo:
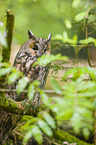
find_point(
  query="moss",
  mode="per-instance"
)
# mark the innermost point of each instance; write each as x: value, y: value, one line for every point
x: 61, y: 136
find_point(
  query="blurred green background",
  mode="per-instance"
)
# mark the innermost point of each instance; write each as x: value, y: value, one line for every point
x: 45, y: 16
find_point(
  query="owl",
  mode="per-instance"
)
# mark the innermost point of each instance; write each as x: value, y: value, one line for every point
x: 24, y: 61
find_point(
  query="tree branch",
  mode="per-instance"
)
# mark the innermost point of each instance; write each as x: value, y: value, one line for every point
x: 9, y: 26
x: 25, y: 91
x: 61, y: 136
x: 20, y: 108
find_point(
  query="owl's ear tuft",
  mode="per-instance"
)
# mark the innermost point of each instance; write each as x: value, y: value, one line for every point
x: 31, y: 35
x: 49, y: 37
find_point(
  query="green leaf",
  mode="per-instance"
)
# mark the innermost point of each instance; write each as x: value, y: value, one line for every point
x: 3, y: 40
x: 4, y: 71
x: 58, y: 37
x: 75, y: 38
x: 5, y: 64
x: 86, y: 132
x: 55, y: 86
x: 65, y: 37
x: 76, y: 3
x: 27, y: 125
x: 87, y: 94
x: 13, y: 77
x: 50, y: 120
x: 45, y: 98
x: 37, y: 134
x: 31, y: 91
x: 74, y: 73
x: 85, y: 86
x: 27, y: 136
x: 65, y: 114
x: 86, y: 103
x: 88, y: 40
x: 68, y: 24
x: 80, y: 16
x: 45, y: 128
x: 36, y: 83
x: 27, y: 117
x: 28, y: 121
x: 22, y: 83
x: 91, y: 72
x: 76, y: 121
x: 47, y: 59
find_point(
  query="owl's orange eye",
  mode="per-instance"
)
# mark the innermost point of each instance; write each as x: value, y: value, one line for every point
x: 35, y: 47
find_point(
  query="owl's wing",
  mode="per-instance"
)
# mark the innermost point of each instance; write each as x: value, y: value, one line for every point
x: 24, y: 63
x: 42, y: 76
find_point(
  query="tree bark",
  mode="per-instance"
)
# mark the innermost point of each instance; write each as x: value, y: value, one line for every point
x: 9, y: 26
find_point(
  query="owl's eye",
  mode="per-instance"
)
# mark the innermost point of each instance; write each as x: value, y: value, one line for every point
x: 35, y: 47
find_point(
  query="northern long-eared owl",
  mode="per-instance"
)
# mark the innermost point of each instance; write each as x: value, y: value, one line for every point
x: 26, y: 57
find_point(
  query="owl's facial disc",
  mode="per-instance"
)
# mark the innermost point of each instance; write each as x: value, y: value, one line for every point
x: 38, y: 46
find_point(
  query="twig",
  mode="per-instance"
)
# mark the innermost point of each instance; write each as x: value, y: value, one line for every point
x: 64, y: 44
x: 91, y: 32
x: 87, y: 45
x: 25, y: 91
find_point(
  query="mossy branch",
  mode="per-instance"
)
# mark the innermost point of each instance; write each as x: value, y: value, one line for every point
x: 9, y: 26
x: 20, y: 108
x: 7, y: 51
x: 61, y: 136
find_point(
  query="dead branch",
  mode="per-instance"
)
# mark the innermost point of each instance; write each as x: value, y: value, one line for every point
x: 25, y: 91
x: 9, y: 26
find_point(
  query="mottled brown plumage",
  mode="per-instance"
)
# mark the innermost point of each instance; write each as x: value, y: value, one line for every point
x: 26, y: 57
x: 24, y: 60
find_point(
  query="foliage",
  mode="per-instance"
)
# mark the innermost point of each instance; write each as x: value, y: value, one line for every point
x: 44, y: 122
x: 85, y: 20
x: 76, y: 104
x: 78, y: 91
x: 34, y: 126
x: 79, y: 94
x: 40, y: 16
x: 79, y: 83
x: 46, y: 59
